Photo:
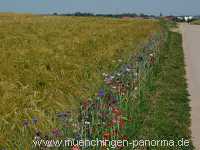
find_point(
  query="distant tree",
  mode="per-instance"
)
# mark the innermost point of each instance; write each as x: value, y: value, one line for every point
x: 142, y: 15
x: 83, y: 14
x: 77, y: 13
x: 55, y: 13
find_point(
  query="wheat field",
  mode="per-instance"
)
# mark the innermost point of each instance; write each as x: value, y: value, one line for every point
x: 50, y: 64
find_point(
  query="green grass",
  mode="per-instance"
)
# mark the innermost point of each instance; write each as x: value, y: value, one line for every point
x: 49, y: 64
x: 166, y: 111
x: 197, y: 22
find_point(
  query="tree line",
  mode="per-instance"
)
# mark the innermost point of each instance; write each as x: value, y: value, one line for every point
x: 105, y: 15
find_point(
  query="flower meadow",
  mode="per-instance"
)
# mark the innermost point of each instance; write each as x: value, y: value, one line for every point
x: 109, y: 114
x: 105, y: 65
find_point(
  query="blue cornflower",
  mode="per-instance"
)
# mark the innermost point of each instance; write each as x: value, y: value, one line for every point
x: 101, y: 93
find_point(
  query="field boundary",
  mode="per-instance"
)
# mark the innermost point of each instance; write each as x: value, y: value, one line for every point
x: 168, y: 114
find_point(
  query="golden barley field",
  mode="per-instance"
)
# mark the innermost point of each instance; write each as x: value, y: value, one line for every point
x: 51, y: 63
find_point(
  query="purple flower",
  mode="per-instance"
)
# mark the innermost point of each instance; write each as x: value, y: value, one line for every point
x: 56, y: 132
x: 101, y: 93
x: 25, y: 123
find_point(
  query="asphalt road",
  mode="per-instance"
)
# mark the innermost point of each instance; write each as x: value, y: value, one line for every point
x: 191, y: 44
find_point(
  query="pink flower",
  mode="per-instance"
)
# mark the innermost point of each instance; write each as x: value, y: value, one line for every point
x: 116, y: 111
x: 75, y: 147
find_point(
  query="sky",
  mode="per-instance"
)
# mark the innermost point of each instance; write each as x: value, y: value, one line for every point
x: 166, y: 7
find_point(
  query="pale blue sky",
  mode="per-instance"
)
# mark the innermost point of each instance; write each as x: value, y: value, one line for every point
x: 167, y: 7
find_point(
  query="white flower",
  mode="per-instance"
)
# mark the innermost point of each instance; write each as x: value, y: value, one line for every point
x: 119, y: 60
x: 151, y: 55
x: 105, y: 74
x: 114, y: 87
x: 113, y: 61
x: 112, y: 77
x: 128, y: 70
x: 136, y: 88
x: 37, y: 138
x: 87, y: 122
x: 118, y: 74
